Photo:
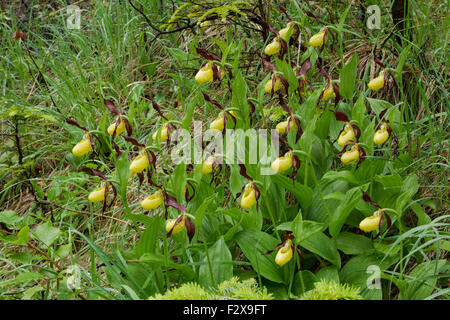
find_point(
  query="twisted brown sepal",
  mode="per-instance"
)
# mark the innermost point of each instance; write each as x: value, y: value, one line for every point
x: 366, y: 198
x: 188, y: 197
x: 76, y: 124
x: 376, y: 60
x: 267, y: 65
x: 190, y: 228
x: 301, y: 75
x: 276, y: 248
x: 208, y: 55
x: 100, y: 174
x: 325, y: 38
x: 243, y: 172
x: 362, y: 156
x: 252, y: 108
x: 340, y: 116
x: 158, y: 109
x: 282, y: 9
x: 212, y: 101
x: 214, y: 174
x: 344, y: 149
x: 304, y: 68
x: 170, y: 201
x: 310, y: 14
x: 295, y: 167
x: 112, y: 107
x: 19, y: 34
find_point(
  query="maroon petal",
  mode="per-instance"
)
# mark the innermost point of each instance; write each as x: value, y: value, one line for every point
x: 74, y: 123
x: 337, y: 94
x: 216, y: 75
x: 276, y: 248
x: 212, y: 101
x: 310, y: 14
x: 106, y: 198
x: 134, y: 141
x: 190, y: 228
x: 357, y: 131
x: 284, y: 105
x: 282, y: 9
x: 170, y: 201
x: 128, y: 127
x: 340, y: 116
x: 207, y: 54
x: 111, y: 106
x: 158, y: 109
x: 93, y: 172
x: 268, y: 66
x: 243, y: 172
x: 376, y: 60
x: 305, y: 67
x: 362, y: 156
x: 366, y: 198
x: 323, y: 72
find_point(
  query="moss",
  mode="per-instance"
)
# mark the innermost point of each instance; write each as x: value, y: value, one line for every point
x: 330, y: 290
x: 232, y: 289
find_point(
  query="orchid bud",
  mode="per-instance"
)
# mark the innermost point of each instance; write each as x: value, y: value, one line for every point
x: 82, y: 147
x: 346, y: 135
x: 273, y: 47
x: 97, y: 195
x: 164, y: 133
x: 282, y: 126
x: 218, y: 123
x: 139, y: 163
x: 178, y: 228
x: 328, y: 93
x: 377, y: 83
x: 317, y: 39
x: 205, y: 74
x: 119, y: 130
x: 351, y: 156
x: 249, y: 196
x: 284, y: 255
x: 208, y: 165
x: 381, y: 135
x: 153, y: 201
x: 371, y: 223
x: 286, y: 32
x: 276, y: 87
x: 282, y: 163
